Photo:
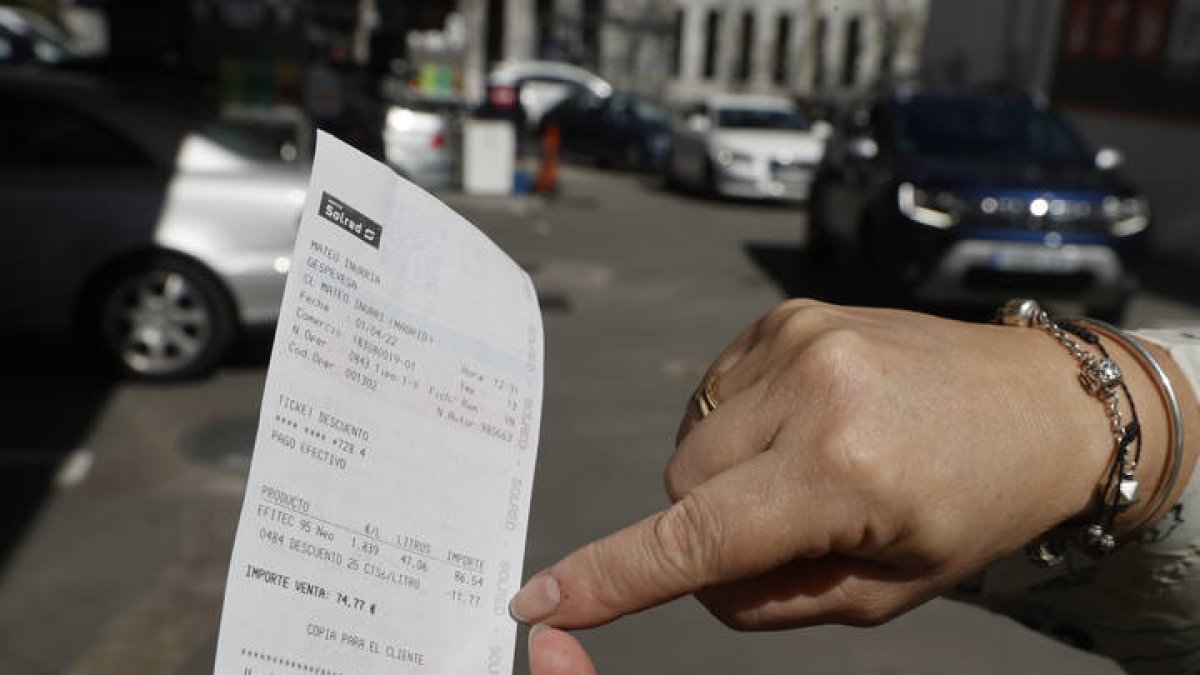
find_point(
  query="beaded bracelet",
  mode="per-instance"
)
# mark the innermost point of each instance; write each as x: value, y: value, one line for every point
x: 1174, y: 418
x: 1101, y: 377
x: 1121, y: 489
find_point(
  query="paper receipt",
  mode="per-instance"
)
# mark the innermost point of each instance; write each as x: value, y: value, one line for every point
x: 383, y: 527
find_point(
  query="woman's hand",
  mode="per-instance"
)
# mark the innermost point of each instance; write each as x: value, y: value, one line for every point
x: 859, y: 463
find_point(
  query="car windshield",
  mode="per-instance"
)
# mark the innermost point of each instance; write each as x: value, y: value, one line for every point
x: 647, y: 111
x: 242, y: 141
x: 986, y: 128
x: 760, y: 118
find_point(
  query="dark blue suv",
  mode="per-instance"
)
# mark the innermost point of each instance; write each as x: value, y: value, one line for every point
x: 952, y: 197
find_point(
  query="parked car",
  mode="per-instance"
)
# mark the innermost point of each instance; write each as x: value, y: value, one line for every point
x: 26, y: 37
x: 523, y: 91
x: 757, y: 147
x: 287, y: 128
x: 955, y: 197
x: 420, y: 141
x: 622, y: 129
x: 156, y: 236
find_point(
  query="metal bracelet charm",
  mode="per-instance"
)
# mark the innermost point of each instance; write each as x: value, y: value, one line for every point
x: 1100, y: 377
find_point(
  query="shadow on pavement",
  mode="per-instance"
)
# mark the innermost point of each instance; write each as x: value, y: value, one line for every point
x: 1172, y: 275
x: 51, y: 394
x: 842, y: 283
x: 51, y: 397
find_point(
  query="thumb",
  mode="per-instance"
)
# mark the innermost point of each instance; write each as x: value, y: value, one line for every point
x: 731, y: 527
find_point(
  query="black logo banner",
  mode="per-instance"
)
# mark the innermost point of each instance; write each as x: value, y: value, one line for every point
x: 346, y: 217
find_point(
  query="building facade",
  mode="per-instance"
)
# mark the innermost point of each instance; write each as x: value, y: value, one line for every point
x: 803, y: 48
x: 686, y: 48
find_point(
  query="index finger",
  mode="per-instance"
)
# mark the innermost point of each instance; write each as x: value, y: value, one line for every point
x: 740, y: 523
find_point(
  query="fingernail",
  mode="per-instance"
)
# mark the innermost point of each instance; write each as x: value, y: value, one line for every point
x: 537, y: 600
x: 534, y: 630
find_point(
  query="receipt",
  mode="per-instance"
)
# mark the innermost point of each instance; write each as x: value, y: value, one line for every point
x: 383, y: 527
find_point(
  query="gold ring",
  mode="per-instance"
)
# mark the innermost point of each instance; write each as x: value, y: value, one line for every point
x: 705, y: 398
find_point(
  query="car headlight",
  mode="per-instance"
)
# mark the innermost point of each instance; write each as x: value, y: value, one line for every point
x: 1126, y: 215
x: 730, y: 158
x: 400, y: 119
x: 935, y: 208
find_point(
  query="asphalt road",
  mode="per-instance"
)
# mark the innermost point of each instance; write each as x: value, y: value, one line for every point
x: 120, y: 500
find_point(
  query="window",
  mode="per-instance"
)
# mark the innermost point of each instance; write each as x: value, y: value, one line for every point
x: 746, y: 48
x: 593, y: 19
x: 712, y: 31
x: 44, y: 133
x: 760, y: 118
x: 783, y: 35
x: 819, y: 53
x: 493, y: 48
x: 850, y: 56
x: 677, y: 44
x: 1014, y: 131
x: 581, y: 102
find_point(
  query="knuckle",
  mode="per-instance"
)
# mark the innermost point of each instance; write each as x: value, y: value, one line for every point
x: 674, y: 480
x: 788, y: 315
x: 852, y: 455
x: 685, y: 541
x: 837, y: 354
x: 834, y: 367
x: 857, y: 467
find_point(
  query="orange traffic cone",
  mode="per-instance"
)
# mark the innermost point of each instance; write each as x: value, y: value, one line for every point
x: 547, y: 178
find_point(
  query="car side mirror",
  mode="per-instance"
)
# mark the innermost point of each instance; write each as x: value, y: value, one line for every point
x: 862, y: 148
x: 1108, y: 159
x: 698, y: 123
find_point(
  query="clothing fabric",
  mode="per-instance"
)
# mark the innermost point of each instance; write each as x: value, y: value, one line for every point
x: 1139, y: 606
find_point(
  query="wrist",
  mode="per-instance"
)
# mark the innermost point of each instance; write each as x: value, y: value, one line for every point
x: 1133, y: 487
x: 1164, y: 469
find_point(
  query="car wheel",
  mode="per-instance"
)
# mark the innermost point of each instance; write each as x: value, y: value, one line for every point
x: 670, y: 180
x: 161, y: 318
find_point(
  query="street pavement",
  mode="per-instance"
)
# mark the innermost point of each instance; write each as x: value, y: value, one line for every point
x: 121, y: 499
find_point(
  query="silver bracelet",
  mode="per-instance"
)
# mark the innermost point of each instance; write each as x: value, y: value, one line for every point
x: 1101, y: 377
x: 1174, y: 421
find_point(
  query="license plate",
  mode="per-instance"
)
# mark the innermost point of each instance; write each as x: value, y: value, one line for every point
x: 1052, y: 260
x: 792, y: 174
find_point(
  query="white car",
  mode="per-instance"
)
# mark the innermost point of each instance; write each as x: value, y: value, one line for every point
x: 420, y: 142
x: 757, y: 147
x: 156, y: 236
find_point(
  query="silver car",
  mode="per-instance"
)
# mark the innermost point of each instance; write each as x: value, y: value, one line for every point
x: 754, y: 147
x: 420, y: 141
x: 157, y: 239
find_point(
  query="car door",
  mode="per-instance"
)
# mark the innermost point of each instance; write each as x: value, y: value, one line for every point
x: 75, y: 191
x: 579, y: 123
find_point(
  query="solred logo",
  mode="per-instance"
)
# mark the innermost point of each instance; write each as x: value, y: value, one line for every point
x: 346, y: 217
